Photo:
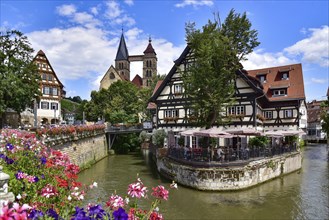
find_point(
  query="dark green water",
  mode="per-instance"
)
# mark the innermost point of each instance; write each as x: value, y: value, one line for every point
x: 300, y: 195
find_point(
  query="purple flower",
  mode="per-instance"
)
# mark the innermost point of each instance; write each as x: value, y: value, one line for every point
x: 9, y: 146
x: 35, y: 214
x: 36, y: 179
x: 80, y: 214
x: 97, y: 212
x: 52, y: 213
x: 43, y: 160
x: 9, y: 160
x: 120, y: 214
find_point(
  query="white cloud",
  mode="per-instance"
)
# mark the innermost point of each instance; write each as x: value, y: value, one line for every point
x: 125, y: 19
x: 194, y: 3
x: 129, y: 2
x: 66, y: 10
x: 259, y: 59
x: 313, y: 49
x: 94, y: 10
x: 319, y: 81
x: 113, y: 9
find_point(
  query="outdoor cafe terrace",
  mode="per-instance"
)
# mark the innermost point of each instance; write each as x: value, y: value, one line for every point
x: 206, y: 156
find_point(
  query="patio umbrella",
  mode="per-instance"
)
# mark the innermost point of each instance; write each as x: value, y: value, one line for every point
x: 189, y: 132
x: 293, y: 132
x: 243, y: 131
x: 213, y: 132
x: 274, y: 133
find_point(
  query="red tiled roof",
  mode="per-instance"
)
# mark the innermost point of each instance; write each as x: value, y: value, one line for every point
x: 149, y: 48
x: 314, y: 111
x: 294, y: 84
x: 137, y: 81
x: 152, y: 105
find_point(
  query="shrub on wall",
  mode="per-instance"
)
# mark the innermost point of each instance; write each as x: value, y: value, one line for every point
x: 158, y: 137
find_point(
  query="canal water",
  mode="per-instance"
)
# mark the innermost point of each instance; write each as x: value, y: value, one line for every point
x: 300, y: 195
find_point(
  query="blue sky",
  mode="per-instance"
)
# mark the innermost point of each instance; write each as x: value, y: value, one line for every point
x: 80, y: 38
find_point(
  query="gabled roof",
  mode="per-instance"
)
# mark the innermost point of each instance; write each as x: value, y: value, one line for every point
x: 138, y: 81
x: 122, y: 53
x: 170, y: 74
x: 152, y: 105
x: 149, y: 48
x: 41, y: 53
x: 294, y: 84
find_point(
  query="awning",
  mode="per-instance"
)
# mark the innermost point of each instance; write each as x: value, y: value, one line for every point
x: 281, y: 133
x: 213, y: 132
x: 189, y: 132
x: 243, y: 131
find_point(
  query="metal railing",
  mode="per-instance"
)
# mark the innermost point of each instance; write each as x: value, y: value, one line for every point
x: 229, y: 154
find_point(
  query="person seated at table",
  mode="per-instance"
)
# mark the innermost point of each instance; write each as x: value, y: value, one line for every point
x: 220, y: 154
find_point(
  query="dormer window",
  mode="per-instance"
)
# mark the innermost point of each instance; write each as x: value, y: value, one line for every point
x: 285, y: 75
x: 279, y: 92
x: 262, y: 78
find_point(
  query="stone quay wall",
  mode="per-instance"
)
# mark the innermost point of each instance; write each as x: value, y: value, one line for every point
x: 229, y: 177
x: 83, y: 151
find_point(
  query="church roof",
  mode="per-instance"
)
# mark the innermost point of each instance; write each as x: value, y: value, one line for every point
x: 137, y: 81
x: 122, y: 53
x: 149, y: 48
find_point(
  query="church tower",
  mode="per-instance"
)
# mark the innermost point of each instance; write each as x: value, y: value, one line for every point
x: 149, y: 64
x: 122, y: 63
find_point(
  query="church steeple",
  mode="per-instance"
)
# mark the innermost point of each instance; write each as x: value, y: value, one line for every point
x: 122, y: 63
x: 122, y: 53
x: 149, y: 64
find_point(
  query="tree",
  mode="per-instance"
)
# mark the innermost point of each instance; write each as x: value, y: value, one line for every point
x: 325, y: 117
x: 19, y: 79
x: 217, y: 50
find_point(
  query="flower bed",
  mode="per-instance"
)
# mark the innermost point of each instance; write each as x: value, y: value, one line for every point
x: 44, y: 183
x: 70, y: 131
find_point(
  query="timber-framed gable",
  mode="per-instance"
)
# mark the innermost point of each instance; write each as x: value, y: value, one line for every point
x: 256, y: 105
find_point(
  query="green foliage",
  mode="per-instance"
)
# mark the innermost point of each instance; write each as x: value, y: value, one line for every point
x: 325, y: 117
x: 144, y: 136
x: 19, y: 79
x: 259, y: 141
x: 181, y: 141
x: 218, y: 51
x: 158, y: 137
x: 124, y: 144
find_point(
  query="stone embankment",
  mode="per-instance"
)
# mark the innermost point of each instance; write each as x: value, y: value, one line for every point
x: 84, y: 150
x: 225, y: 178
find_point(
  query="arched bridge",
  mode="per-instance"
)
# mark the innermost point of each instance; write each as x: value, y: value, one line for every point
x: 112, y: 131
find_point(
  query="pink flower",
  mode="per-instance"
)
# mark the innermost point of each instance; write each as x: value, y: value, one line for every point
x: 7, y: 213
x: 137, y: 189
x: 160, y: 192
x: 49, y: 191
x: 115, y: 202
x: 21, y: 211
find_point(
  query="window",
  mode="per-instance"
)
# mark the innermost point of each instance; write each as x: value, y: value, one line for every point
x: 171, y: 113
x: 148, y: 63
x: 262, y: 78
x: 45, y: 90
x: 268, y: 114
x: 178, y: 89
x: 44, y: 105
x: 279, y: 92
x: 50, y: 77
x: 236, y: 110
x: 112, y: 76
x: 44, y: 65
x: 55, y: 91
x: 285, y: 75
x: 148, y: 73
x: 54, y: 105
x: 44, y: 76
x: 288, y: 113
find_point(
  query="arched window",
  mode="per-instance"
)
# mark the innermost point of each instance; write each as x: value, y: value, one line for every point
x: 112, y: 76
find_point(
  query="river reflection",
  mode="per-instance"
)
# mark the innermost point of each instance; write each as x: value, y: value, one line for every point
x: 300, y: 195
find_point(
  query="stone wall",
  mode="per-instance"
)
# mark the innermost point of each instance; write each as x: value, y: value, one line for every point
x: 231, y: 177
x: 85, y: 150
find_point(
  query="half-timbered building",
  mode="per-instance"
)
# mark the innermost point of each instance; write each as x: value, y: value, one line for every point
x: 266, y: 99
x: 49, y: 106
